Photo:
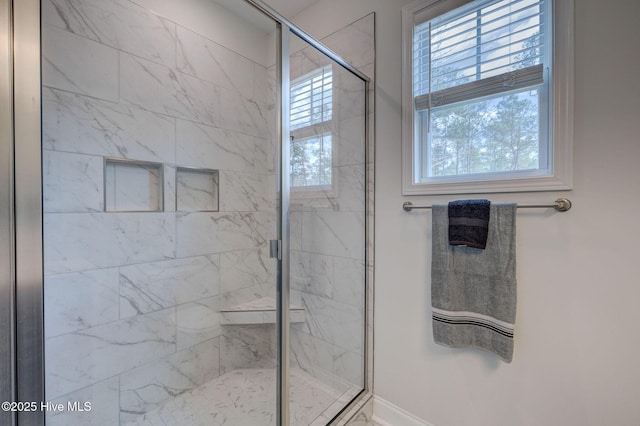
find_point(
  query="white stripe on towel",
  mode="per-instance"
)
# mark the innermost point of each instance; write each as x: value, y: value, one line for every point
x: 468, y: 314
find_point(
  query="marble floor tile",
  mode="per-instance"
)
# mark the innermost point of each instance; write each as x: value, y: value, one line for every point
x: 247, y: 397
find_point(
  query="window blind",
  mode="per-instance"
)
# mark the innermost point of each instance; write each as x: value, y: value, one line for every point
x: 311, y: 98
x: 479, y: 50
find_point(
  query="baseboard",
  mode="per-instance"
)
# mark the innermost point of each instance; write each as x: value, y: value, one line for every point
x: 388, y: 414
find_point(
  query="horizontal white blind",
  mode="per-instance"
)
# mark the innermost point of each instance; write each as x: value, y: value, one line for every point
x: 480, y: 41
x: 311, y: 98
x: 519, y: 79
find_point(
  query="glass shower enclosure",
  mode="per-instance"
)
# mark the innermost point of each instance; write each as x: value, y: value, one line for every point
x: 203, y: 211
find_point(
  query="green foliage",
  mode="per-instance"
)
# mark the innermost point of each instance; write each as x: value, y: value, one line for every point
x: 311, y: 161
x: 493, y: 135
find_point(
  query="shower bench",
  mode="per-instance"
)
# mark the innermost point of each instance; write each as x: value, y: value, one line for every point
x: 259, y: 311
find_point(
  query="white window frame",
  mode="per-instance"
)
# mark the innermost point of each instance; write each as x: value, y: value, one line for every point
x: 560, y: 173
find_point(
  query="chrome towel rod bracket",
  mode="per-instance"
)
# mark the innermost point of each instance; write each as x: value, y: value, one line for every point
x: 561, y: 205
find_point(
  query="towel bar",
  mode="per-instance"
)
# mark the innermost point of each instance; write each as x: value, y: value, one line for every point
x: 561, y: 205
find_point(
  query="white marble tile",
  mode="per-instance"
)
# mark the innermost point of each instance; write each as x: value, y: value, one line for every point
x: 246, y: 192
x: 306, y: 60
x: 197, y: 190
x: 84, y: 125
x: 78, y: 65
x: 80, y: 300
x: 312, y: 273
x: 333, y: 322
x: 355, y: 42
x: 207, y: 60
x: 84, y: 241
x: 199, y: 145
x: 153, y: 384
x: 264, y: 89
x: 197, y: 233
x: 247, y: 346
x: 198, y: 322
x: 81, y: 358
x: 117, y: 23
x: 246, y: 294
x: 156, y: 88
x: 269, y: 148
x: 72, y: 182
x: 348, y: 281
x: 169, y: 188
x: 333, y: 233
x: 295, y: 224
x: 50, y: 15
x: 313, y: 355
x: 272, y: 88
x: 349, y: 142
x: 348, y: 366
x: 148, y: 287
x: 350, y: 187
x: 247, y: 398
x: 245, y: 230
x: 243, y: 115
x: 349, y: 95
x: 246, y: 268
x: 104, y: 398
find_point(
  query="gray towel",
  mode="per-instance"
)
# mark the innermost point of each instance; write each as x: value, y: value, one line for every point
x: 473, y: 291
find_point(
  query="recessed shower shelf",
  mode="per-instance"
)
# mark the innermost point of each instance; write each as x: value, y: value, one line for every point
x: 259, y: 311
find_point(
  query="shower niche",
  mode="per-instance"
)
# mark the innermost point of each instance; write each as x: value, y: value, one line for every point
x: 197, y: 189
x: 133, y: 186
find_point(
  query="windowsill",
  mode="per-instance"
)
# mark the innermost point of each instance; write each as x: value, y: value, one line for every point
x: 529, y: 184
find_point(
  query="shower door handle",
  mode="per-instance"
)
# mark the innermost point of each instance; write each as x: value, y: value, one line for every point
x: 275, y: 249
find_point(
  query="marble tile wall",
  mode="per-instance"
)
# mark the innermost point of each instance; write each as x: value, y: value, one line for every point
x: 328, y: 228
x: 132, y: 299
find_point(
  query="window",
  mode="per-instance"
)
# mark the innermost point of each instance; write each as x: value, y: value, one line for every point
x: 487, y: 109
x: 311, y: 113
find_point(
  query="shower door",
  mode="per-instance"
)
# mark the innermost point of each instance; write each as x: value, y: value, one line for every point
x: 160, y: 202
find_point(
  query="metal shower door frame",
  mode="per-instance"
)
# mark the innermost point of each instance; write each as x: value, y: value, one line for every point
x: 7, y: 267
x: 25, y: 204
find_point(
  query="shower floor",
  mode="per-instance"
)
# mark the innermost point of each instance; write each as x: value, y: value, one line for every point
x: 246, y: 397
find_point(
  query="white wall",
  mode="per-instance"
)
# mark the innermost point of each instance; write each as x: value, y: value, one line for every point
x: 577, y: 339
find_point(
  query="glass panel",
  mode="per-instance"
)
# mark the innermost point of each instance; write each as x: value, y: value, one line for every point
x: 160, y: 317
x: 497, y: 134
x: 327, y: 243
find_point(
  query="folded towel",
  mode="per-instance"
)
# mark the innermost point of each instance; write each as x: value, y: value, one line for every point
x: 469, y: 223
x: 473, y: 292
